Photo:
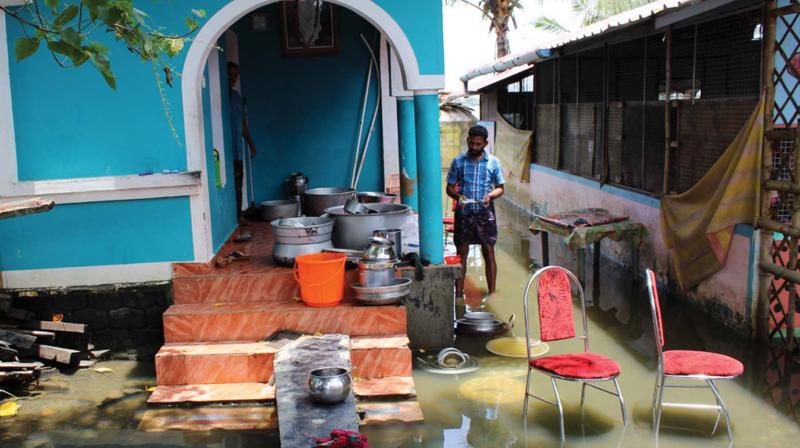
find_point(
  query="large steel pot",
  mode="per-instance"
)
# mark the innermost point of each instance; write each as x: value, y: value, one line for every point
x: 372, y: 197
x: 354, y: 231
x: 284, y: 254
x: 272, y: 210
x: 316, y: 200
x: 302, y: 230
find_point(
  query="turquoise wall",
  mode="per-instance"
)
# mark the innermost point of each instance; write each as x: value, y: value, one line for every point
x: 304, y: 111
x: 222, y: 201
x: 98, y: 233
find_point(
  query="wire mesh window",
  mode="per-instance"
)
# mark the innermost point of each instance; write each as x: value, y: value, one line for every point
x: 782, y: 165
x: 546, y: 113
x: 515, y: 103
x: 716, y: 78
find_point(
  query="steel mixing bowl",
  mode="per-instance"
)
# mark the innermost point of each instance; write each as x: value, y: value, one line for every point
x: 330, y: 385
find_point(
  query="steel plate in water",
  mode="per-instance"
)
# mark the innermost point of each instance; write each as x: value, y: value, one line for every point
x: 514, y: 347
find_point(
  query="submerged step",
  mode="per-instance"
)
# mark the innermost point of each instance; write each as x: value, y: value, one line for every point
x: 212, y: 393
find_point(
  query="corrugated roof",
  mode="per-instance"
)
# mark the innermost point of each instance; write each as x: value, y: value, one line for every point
x: 543, y: 51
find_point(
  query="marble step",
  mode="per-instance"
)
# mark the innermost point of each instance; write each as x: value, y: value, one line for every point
x: 245, y: 362
x: 212, y: 393
x: 275, y: 284
x: 253, y: 321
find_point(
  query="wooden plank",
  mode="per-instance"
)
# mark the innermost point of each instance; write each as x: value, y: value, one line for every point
x: 781, y: 134
x: 25, y: 207
x: 20, y: 365
x: 17, y: 339
x: 54, y: 326
x: 57, y: 354
x: 299, y: 418
x: 17, y: 375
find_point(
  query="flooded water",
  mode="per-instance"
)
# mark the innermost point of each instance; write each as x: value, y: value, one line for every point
x: 483, y: 408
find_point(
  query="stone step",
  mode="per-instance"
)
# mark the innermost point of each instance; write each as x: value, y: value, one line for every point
x: 212, y: 393
x: 232, y: 285
x: 253, y: 321
x: 245, y: 362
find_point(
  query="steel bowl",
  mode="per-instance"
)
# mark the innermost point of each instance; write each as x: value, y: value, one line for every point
x: 330, y: 385
x: 316, y: 200
x: 373, y: 197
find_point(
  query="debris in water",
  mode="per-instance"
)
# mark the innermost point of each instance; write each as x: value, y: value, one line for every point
x: 9, y: 409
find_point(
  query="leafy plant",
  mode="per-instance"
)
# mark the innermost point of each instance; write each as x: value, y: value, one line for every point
x: 589, y: 12
x: 68, y: 30
x: 499, y: 13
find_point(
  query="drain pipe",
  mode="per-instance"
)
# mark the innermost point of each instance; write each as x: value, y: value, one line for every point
x: 505, y: 63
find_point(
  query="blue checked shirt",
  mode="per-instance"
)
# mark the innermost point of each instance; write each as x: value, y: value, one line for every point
x: 475, y: 178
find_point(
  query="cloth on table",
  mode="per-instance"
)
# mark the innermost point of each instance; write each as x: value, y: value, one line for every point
x: 698, y: 225
x: 580, y: 237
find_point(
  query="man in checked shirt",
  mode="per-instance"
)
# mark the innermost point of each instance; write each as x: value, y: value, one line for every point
x: 475, y: 180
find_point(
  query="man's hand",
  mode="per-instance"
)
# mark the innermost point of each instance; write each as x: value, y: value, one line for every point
x: 487, y: 200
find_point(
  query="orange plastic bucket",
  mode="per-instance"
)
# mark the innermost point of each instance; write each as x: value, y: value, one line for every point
x: 321, y: 278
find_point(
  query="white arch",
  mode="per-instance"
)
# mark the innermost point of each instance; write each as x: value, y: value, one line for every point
x: 192, y: 77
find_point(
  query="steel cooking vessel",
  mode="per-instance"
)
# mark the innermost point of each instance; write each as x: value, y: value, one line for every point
x: 354, y: 231
x: 316, y: 200
x: 330, y: 385
x: 302, y: 230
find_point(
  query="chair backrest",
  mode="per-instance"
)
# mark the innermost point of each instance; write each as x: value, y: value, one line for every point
x: 655, y: 307
x: 554, y: 286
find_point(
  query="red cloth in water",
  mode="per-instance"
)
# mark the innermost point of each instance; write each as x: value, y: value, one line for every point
x: 342, y: 439
x: 555, y: 306
x: 585, y: 365
x: 690, y: 362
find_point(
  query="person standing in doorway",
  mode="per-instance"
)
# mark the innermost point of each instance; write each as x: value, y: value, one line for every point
x: 475, y: 180
x: 239, y: 130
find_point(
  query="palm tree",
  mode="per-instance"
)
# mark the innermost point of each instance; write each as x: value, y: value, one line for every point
x: 499, y: 13
x: 589, y: 11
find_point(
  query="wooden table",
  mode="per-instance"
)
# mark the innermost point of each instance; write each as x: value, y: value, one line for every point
x: 579, y: 238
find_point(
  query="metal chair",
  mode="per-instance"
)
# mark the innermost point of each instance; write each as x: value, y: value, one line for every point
x: 688, y: 365
x: 554, y: 292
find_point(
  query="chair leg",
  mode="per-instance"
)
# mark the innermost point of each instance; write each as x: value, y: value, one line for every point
x: 659, y: 404
x: 719, y: 411
x: 527, y: 395
x: 621, y: 402
x: 655, y: 393
x: 583, y: 397
x: 725, y: 412
x: 560, y: 409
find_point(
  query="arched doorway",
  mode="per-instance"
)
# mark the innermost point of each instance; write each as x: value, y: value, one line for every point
x: 192, y: 77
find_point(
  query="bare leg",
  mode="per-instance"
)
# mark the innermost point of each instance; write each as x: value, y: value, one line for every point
x: 491, y: 267
x: 463, y: 251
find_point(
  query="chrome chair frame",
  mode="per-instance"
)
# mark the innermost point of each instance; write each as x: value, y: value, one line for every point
x: 658, y: 403
x: 553, y: 377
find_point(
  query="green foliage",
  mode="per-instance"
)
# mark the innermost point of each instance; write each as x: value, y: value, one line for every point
x: 69, y: 29
x: 589, y: 12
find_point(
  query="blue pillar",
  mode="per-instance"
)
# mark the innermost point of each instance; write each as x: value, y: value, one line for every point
x: 429, y: 169
x: 408, y: 151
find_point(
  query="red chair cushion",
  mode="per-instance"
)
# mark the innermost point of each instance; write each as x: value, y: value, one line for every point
x: 585, y: 365
x: 450, y: 229
x: 448, y: 220
x: 555, y: 306
x: 690, y: 362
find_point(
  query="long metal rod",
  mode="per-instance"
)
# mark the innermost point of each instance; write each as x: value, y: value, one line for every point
x: 644, y: 116
x: 667, y: 111
x: 768, y: 67
x: 694, y: 65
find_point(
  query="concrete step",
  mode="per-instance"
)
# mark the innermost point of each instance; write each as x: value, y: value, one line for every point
x: 253, y: 321
x: 245, y: 362
x: 212, y: 393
